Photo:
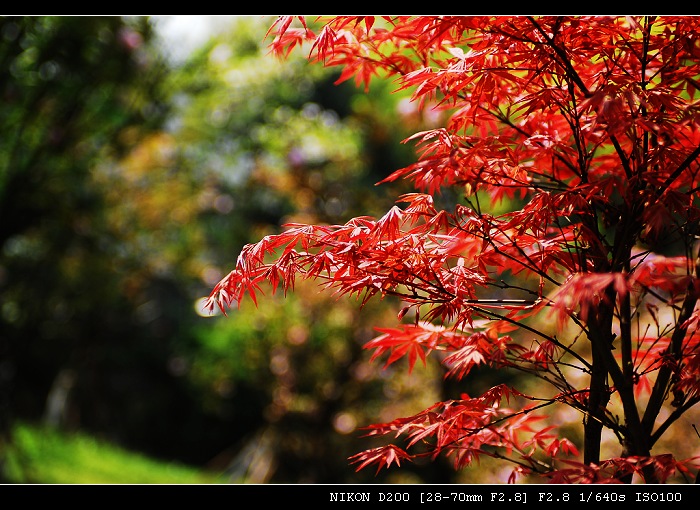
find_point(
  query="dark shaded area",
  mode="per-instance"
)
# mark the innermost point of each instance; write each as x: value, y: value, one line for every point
x: 71, y: 87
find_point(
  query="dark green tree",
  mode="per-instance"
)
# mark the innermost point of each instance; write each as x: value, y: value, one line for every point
x: 75, y: 90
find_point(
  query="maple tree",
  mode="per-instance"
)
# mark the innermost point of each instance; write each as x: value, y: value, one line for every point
x: 588, y: 128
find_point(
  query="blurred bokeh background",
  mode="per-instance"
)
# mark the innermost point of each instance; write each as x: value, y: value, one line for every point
x: 137, y: 156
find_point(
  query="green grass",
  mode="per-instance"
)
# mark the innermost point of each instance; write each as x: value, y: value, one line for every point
x: 47, y: 456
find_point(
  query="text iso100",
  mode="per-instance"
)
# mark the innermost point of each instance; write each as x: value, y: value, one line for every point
x: 657, y: 497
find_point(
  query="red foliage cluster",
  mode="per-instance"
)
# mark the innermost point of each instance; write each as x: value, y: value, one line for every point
x: 589, y: 127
